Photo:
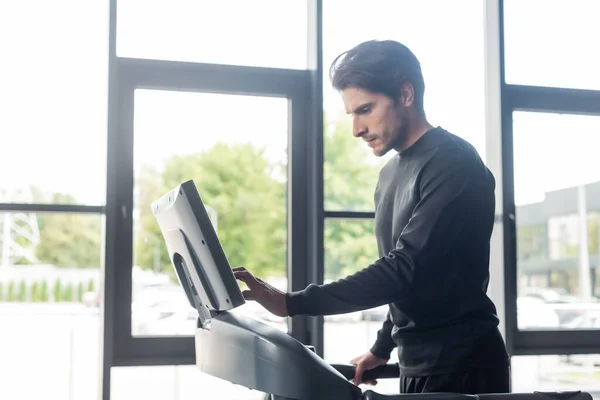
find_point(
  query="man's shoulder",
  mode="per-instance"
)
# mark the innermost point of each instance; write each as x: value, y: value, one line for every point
x: 441, y: 150
x: 452, y: 144
x: 456, y: 150
x: 456, y: 156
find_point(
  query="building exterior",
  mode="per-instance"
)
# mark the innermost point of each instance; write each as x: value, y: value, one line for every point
x: 551, y: 242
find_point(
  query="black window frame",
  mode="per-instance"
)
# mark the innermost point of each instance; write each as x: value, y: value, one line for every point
x: 544, y: 100
x: 189, y: 77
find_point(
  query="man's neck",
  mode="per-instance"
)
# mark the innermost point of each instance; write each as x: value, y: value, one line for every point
x: 415, y: 132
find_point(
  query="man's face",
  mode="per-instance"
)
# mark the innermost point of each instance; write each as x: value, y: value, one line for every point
x: 377, y: 119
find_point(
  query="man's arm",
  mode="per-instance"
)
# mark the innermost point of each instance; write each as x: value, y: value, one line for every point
x: 384, y: 344
x: 453, y: 187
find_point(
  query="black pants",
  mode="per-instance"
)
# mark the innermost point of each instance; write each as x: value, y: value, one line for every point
x: 479, y: 381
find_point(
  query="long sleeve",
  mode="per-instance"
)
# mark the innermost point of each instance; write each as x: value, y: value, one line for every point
x: 456, y: 193
x: 384, y: 344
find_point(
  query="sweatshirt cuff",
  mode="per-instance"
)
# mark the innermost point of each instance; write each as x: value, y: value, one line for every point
x: 295, y: 303
x: 382, y: 350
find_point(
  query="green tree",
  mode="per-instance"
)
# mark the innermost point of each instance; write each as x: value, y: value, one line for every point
x: 44, y: 292
x: 12, y: 296
x: 57, y: 290
x: 67, y: 294
x: 80, y: 292
x: 22, y: 297
x: 242, y: 187
x: 69, y: 240
x: 35, y: 292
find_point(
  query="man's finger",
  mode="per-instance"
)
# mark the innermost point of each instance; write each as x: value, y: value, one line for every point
x: 358, y: 374
x: 236, y: 269
x: 248, y: 295
x: 244, y: 276
x: 241, y: 274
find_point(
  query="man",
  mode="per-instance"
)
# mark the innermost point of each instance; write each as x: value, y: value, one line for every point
x: 434, y: 214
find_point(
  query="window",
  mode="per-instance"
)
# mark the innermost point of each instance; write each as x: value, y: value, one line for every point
x: 50, y: 304
x: 557, y: 198
x: 454, y: 80
x: 265, y: 33
x: 549, y: 43
x: 53, y: 97
x: 54, y: 100
x: 239, y: 166
x: 555, y: 373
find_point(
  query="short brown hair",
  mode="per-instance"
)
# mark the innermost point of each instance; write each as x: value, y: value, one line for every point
x: 379, y: 67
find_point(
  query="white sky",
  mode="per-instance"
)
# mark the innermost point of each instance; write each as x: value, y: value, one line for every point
x: 53, y: 79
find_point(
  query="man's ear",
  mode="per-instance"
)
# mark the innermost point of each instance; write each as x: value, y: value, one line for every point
x: 406, y: 94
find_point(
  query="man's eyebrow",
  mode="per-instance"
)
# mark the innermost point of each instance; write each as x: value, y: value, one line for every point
x: 362, y: 107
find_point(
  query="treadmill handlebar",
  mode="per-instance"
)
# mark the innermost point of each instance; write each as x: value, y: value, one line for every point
x: 387, y: 371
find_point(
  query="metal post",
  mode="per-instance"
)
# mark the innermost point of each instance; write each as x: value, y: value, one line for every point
x: 585, y: 285
x: 494, y: 150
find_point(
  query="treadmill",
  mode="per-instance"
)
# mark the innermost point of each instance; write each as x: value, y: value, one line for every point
x: 247, y: 352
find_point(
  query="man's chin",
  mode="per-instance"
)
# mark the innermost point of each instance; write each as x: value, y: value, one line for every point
x: 380, y: 151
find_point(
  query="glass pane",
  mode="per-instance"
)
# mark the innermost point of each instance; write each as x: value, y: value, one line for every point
x: 556, y: 373
x: 50, y: 305
x: 173, y: 383
x: 351, y: 170
x: 262, y: 33
x: 53, y: 96
x: 544, y: 41
x: 350, y: 246
x: 557, y: 186
x: 239, y: 166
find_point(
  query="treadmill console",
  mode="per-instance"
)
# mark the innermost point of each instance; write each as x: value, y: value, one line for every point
x: 196, y: 252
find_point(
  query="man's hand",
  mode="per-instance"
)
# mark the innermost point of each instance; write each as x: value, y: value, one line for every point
x: 365, y: 362
x: 266, y: 295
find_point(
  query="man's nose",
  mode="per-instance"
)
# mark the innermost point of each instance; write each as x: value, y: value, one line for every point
x: 358, y: 129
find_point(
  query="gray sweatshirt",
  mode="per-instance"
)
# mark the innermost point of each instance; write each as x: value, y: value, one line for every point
x: 434, y: 215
